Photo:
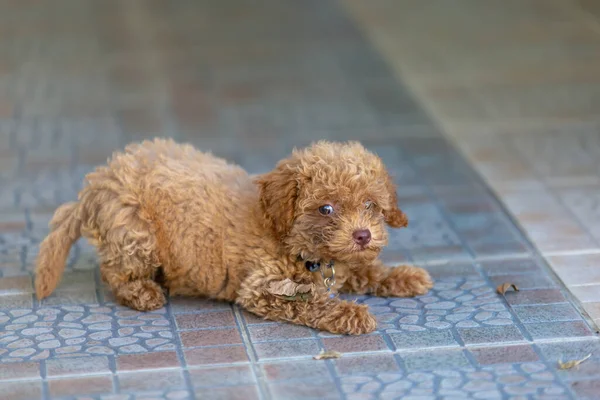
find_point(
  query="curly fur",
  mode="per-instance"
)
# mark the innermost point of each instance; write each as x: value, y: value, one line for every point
x: 208, y: 229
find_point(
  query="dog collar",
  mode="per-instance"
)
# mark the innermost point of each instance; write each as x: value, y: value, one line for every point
x: 328, y: 281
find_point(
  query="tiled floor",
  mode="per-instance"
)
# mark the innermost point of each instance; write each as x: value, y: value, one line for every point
x: 80, y: 78
x: 516, y: 85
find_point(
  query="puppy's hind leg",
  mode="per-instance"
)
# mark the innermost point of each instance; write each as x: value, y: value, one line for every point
x: 131, y: 290
x: 130, y: 263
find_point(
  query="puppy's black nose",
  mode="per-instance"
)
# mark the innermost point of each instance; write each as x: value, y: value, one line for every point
x: 362, y: 237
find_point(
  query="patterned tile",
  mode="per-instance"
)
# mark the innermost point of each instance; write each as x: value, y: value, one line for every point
x: 452, y: 303
x: 456, y: 379
x: 83, y: 329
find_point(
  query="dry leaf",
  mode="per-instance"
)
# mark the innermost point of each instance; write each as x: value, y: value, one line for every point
x: 323, y: 355
x: 289, y: 288
x: 573, y: 363
x: 501, y: 289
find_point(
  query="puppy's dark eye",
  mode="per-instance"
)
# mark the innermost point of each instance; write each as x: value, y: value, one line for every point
x: 368, y: 204
x: 326, y: 209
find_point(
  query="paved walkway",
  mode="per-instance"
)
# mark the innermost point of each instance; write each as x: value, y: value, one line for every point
x: 80, y: 78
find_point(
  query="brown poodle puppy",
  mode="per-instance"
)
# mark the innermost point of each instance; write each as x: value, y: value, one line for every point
x: 166, y: 216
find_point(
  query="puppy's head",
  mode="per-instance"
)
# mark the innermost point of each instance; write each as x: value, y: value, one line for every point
x: 331, y: 201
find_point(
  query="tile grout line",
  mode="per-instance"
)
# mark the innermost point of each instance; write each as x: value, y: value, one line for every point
x: 263, y: 390
x: 179, y: 350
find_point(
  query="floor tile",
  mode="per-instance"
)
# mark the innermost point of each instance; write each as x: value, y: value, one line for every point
x: 89, y: 385
x: 210, y: 337
x: 490, y: 335
x: 586, y: 390
x: 15, y: 284
x: 545, y: 330
x: 12, y: 301
x: 532, y: 297
x: 381, y: 363
x: 431, y: 338
x: 525, y: 281
x: 431, y: 360
x: 226, y: 393
x: 547, y: 222
x: 577, y: 350
x: 298, y: 370
x: 586, y: 293
x: 501, y: 355
x: 261, y: 333
x: 193, y: 304
x: 156, y: 360
x: 71, y: 298
x: 225, y: 376
x: 593, y: 309
x: 303, y: 390
x: 215, y: 355
x: 19, y: 370
x: 205, y: 320
x: 547, y: 313
x: 355, y: 344
x: 288, y: 348
x: 150, y: 380
x: 577, y: 269
x: 511, y: 266
x: 77, y: 366
x: 21, y: 390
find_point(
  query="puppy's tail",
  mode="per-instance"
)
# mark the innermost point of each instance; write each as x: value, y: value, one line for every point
x: 65, y: 229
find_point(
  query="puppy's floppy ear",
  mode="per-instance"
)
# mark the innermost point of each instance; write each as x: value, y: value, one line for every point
x: 394, y: 217
x: 278, y: 191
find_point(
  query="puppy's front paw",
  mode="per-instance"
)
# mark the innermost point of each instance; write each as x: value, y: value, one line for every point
x: 405, y: 281
x: 350, y: 319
